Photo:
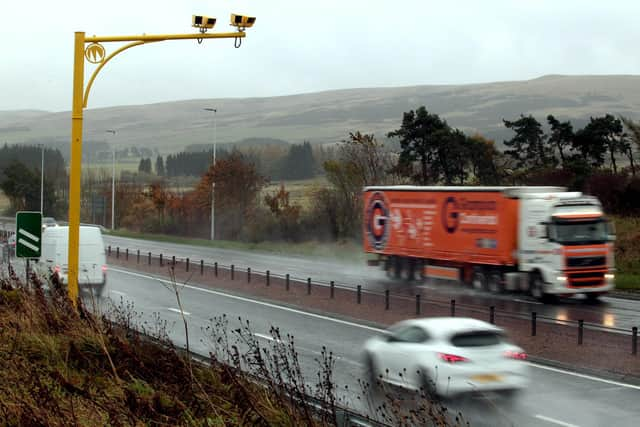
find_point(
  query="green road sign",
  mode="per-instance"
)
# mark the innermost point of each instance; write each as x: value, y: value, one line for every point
x: 28, y: 234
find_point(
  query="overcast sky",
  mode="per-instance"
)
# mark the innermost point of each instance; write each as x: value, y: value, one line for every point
x: 301, y: 46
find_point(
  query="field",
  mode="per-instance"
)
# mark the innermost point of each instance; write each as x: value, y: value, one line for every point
x: 627, y: 253
x: 300, y: 192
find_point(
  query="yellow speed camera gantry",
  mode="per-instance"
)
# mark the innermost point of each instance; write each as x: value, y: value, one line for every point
x: 202, y: 22
x: 242, y: 22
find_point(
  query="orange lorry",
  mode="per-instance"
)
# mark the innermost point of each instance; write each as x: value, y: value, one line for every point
x: 542, y: 240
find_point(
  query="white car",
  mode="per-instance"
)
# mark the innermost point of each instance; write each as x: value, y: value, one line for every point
x: 447, y: 356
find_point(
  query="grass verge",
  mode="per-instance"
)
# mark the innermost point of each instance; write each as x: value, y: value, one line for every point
x: 65, y: 366
x: 628, y: 282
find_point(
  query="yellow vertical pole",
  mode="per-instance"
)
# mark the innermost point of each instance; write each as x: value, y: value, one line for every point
x: 75, y: 172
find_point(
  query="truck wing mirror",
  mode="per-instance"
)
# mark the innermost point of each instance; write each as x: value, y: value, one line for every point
x: 544, y: 231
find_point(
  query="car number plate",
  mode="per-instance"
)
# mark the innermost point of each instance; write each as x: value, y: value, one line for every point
x: 487, y: 378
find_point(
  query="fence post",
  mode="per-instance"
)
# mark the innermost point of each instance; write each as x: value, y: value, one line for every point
x: 118, y: 252
x: 248, y: 274
x: 126, y: 254
x: 386, y: 299
x: 138, y: 257
x: 492, y: 315
x: 359, y: 294
x: 201, y: 267
x: 453, y: 308
x: 580, y: 331
x: 308, y: 285
x: 534, y: 315
x: 232, y: 271
x: 634, y: 340
x: 418, y: 305
x: 333, y: 285
x: 287, y: 282
x: 173, y: 261
x: 160, y: 260
x: 109, y: 250
x: 149, y: 258
x: 215, y: 269
x: 268, y: 277
x: 187, y: 264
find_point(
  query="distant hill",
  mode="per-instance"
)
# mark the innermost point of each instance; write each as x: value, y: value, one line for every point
x: 326, y: 117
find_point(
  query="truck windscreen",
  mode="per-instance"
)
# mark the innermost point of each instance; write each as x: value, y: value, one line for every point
x: 579, y: 232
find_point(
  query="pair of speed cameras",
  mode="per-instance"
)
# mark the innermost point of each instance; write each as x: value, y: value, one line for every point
x: 205, y: 23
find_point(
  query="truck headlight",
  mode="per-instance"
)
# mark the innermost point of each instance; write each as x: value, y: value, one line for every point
x: 561, y: 278
x: 609, y: 276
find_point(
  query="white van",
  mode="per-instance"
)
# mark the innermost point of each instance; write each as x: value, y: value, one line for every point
x: 92, y: 268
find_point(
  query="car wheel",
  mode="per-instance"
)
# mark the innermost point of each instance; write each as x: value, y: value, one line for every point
x: 479, y: 279
x: 428, y: 386
x: 371, y: 372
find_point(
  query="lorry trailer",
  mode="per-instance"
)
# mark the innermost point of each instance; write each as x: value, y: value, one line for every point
x: 542, y: 240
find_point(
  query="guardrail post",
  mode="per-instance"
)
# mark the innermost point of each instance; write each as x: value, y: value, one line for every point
x: 138, y: 257
x: 386, y: 299
x: 126, y: 254
x: 118, y: 252
x: 187, y: 264
x: 149, y: 258
x: 359, y: 294
x: 580, y: 331
x: 492, y: 315
x: 534, y: 315
x: 215, y: 269
x: 160, y: 260
x: 332, y: 290
x: 308, y: 285
x: 248, y: 274
x: 418, y: 305
x: 287, y: 282
x: 634, y: 340
x: 232, y: 271
x: 453, y: 308
x: 201, y: 267
x: 268, y: 277
x: 109, y: 250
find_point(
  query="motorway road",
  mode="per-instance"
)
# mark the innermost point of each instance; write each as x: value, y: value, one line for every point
x: 610, y: 312
x: 554, y: 398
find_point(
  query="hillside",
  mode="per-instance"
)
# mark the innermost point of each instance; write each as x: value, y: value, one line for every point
x: 330, y: 116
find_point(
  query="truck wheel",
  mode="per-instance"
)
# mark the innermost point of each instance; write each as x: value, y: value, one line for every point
x: 494, y: 282
x: 479, y: 279
x: 536, y: 286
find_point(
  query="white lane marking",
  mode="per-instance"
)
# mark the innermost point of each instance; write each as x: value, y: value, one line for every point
x: 266, y: 337
x: 177, y: 310
x: 357, y: 325
x: 266, y: 304
x: 118, y: 293
x: 585, y: 376
x: 527, y: 302
x: 554, y: 421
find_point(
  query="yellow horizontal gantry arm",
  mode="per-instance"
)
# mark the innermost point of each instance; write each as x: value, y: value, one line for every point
x: 162, y: 37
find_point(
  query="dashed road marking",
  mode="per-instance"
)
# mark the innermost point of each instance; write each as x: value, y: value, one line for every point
x: 355, y: 325
x: 177, y: 310
x: 554, y: 421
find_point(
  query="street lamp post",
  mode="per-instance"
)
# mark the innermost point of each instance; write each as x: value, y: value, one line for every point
x: 113, y: 182
x: 42, y: 182
x: 91, y: 49
x: 213, y: 184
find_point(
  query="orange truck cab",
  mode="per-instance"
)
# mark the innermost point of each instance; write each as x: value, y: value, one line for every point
x: 542, y: 240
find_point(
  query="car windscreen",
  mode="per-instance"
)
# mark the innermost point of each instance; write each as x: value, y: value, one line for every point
x: 477, y: 339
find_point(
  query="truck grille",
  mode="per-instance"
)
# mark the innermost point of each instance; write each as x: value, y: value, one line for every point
x: 589, y: 261
x: 594, y: 278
